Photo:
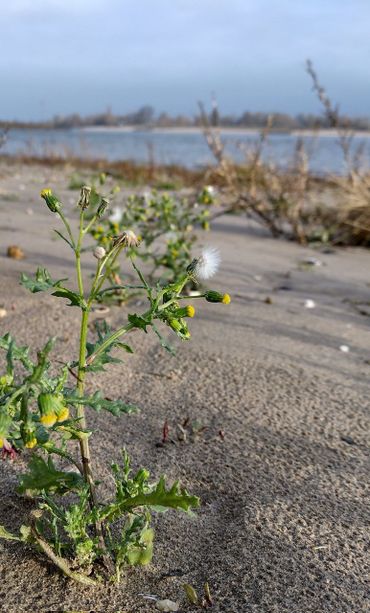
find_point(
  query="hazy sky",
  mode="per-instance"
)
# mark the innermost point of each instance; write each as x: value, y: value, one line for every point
x: 60, y: 56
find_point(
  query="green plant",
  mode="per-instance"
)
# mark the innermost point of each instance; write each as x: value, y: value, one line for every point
x: 42, y: 411
x: 165, y: 225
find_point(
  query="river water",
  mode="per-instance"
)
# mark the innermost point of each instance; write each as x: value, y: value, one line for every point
x: 187, y: 148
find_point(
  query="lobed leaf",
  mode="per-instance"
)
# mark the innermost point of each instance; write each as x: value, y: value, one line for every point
x: 99, y: 403
x: 44, y: 476
x: 41, y: 283
x: 158, y: 498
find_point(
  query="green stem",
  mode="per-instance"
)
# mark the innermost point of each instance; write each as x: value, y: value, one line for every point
x: 78, y: 256
x: 67, y: 227
x: 91, y: 223
x: 60, y: 562
x: 113, y: 337
x: 81, y: 373
x: 108, y: 266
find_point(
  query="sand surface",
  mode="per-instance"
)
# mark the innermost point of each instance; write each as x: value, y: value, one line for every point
x: 284, y: 521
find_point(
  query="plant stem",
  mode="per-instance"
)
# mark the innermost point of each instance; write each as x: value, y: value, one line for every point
x: 81, y: 373
x: 113, y: 337
x: 60, y: 562
x: 68, y: 228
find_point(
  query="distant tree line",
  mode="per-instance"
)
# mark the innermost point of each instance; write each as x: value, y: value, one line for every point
x: 148, y: 118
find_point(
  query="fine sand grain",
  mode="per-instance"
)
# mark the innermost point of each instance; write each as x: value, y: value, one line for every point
x: 284, y: 521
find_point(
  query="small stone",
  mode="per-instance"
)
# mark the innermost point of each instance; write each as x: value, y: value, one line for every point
x: 309, y: 304
x: 344, y: 348
x: 15, y: 252
x: 3, y: 313
x: 167, y: 605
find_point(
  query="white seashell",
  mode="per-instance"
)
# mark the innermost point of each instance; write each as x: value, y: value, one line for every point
x: 344, y: 348
x: 167, y: 605
x: 309, y: 304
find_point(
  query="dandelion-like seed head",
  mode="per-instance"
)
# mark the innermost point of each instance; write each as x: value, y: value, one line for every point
x: 127, y: 239
x: 206, y: 265
x: 116, y: 215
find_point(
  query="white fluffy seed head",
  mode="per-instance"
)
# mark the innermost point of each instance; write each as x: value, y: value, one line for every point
x: 207, y: 264
x: 116, y: 215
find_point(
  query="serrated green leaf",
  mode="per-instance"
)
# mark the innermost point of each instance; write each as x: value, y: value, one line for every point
x: 75, y: 299
x: 41, y: 283
x: 43, y: 476
x: 158, y: 498
x: 139, y: 322
x: 104, y: 357
x: 163, y: 341
x: 15, y: 353
x: 99, y: 403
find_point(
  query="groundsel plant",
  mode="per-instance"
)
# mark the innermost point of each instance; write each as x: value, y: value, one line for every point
x: 165, y: 224
x: 43, y: 409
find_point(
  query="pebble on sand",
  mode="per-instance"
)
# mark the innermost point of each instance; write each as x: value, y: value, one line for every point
x: 309, y: 304
x: 167, y: 605
x: 344, y: 348
x: 15, y: 252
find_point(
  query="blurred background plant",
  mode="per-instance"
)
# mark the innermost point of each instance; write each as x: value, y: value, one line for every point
x: 166, y: 225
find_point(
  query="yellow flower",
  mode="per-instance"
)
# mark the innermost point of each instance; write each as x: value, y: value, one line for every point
x: 226, y: 299
x: 1, y: 443
x: 190, y: 311
x: 63, y: 415
x: 45, y: 192
x: 48, y: 420
x: 31, y: 443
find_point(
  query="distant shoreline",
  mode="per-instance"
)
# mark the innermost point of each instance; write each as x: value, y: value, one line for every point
x: 131, y: 129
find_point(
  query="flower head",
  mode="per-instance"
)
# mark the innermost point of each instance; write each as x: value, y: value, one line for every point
x: 63, y: 414
x: 84, y: 200
x: 187, y: 311
x: 206, y: 265
x: 51, y: 200
x: 213, y: 296
x: 116, y: 215
x: 102, y: 208
x: 128, y: 238
x: 48, y: 419
x: 99, y: 253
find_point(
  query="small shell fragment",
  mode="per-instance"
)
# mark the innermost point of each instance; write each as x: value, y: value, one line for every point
x: 3, y: 313
x: 344, y: 348
x: 309, y: 304
x: 167, y: 605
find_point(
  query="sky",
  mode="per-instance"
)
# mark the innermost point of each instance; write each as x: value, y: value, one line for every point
x: 65, y: 56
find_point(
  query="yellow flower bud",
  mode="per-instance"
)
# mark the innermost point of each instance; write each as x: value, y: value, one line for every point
x: 30, y: 444
x: 190, y: 311
x: 63, y: 415
x: 48, y: 420
x: 226, y: 299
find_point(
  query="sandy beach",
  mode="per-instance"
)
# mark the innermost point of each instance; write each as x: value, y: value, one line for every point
x: 283, y: 524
